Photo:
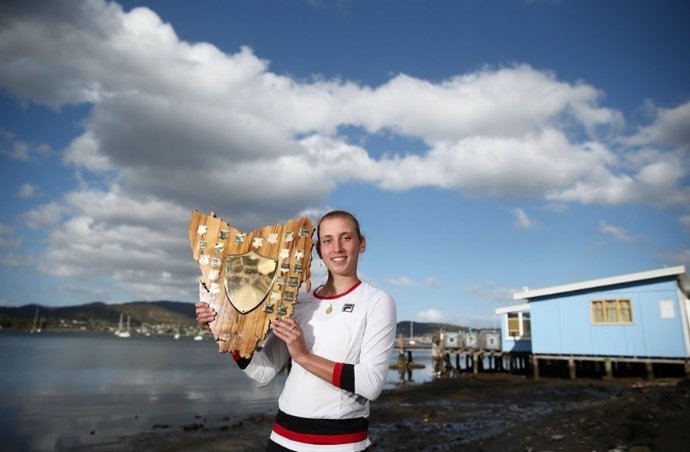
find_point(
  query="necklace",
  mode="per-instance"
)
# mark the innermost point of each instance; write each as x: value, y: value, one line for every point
x: 329, y: 309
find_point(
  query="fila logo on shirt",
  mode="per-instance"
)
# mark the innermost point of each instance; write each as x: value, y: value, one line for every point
x: 348, y: 307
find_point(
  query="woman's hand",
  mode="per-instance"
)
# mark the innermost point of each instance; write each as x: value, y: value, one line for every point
x: 290, y: 332
x: 204, y: 315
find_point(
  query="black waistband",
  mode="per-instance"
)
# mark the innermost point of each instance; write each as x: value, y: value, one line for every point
x: 322, y: 426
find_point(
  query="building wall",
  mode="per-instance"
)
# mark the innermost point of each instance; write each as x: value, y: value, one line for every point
x: 521, y: 344
x: 563, y: 324
x: 515, y: 346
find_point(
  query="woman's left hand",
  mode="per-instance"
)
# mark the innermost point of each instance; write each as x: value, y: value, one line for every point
x: 290, y: 332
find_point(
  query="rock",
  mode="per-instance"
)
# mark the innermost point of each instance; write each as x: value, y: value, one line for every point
x: 640, y: 449
x: 190, y: 427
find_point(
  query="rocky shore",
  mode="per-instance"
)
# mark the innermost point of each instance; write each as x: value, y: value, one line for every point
x: 484, y: 413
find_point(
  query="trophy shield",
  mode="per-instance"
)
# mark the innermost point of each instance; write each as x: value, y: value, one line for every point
x: 252, y: 277
x: 248, y: 279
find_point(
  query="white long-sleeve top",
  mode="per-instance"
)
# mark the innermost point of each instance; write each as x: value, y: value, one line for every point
x: 359, y: 331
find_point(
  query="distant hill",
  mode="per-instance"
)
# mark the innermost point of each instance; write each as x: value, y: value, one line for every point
x: 425, y: 328
x: 99, y: 316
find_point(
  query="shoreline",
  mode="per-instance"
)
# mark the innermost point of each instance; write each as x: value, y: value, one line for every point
x: 488, y: 413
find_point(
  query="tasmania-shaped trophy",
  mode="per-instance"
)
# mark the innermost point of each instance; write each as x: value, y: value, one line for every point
x: 252, y: 277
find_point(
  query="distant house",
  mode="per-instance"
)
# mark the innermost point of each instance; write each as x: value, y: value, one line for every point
x: 639, y: 317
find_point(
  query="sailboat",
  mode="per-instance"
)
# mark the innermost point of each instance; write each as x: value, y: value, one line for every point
x: 36, y: 328
x: 124, y: 334
x: 199, y: 336
x: 119, y: 328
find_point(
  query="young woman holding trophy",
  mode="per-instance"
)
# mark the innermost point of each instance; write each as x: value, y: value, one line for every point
x: 340, y: 338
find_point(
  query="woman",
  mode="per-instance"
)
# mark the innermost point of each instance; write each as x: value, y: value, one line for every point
x: 339, y: 338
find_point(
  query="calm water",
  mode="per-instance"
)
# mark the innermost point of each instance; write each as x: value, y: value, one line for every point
x: 63, y: 390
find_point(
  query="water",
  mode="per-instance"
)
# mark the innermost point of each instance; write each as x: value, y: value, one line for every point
x: 63, y: 390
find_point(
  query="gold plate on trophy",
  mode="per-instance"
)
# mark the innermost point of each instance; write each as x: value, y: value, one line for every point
x: 248, y: 279
x: 246, y: 275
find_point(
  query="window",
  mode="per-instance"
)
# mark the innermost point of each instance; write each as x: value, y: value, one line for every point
x: 519, y: 324
x: 526, y: 325
x: 625, y: 311
x: 611, y: 311
x: 513, y: 324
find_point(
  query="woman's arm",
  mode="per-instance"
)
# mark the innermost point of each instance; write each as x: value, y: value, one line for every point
x: 365, y: 378
x: 368, y: 377
x: 290, y: 332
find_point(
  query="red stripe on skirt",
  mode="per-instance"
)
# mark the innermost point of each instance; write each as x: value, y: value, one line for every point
x: 311, y: 438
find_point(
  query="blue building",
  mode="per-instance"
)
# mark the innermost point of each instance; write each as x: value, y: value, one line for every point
x: 634, y: 318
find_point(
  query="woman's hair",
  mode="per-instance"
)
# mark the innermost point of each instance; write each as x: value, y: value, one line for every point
x: 336, y: 214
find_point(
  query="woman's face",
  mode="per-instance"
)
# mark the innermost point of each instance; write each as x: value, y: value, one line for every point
x: 340, y: 246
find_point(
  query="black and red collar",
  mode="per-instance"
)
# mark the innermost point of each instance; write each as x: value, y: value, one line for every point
x: 333, y: 297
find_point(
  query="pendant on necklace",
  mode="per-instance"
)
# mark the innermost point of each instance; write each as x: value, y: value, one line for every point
x: 329, y: 309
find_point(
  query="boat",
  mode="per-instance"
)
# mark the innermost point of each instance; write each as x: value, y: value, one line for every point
x: 199, y: 336
x: 119, y: 328
x: 36, y: 328
x: 125, y: 333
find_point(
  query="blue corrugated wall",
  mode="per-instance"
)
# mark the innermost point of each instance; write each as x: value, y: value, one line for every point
x: 562, y: 324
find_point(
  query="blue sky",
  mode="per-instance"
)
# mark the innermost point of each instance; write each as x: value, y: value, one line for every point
x: 485, y: 146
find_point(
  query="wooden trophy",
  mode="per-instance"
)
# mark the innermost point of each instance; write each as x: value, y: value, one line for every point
x: 252, y: 277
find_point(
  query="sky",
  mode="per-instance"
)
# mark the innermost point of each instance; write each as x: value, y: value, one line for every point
x: 485, y: 146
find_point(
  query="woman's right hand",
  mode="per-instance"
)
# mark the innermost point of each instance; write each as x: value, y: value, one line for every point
x: 204, y: 314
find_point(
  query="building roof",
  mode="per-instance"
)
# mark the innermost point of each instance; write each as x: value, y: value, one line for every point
x: 678, y: 271
x: 511, y: 309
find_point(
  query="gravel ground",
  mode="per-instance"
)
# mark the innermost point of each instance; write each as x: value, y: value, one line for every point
x: 487, y: 413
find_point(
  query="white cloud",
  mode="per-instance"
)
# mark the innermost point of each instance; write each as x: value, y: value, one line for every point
x: 685, y: 222
x: 198, y: 114
x: 175, y: 125
x: 670, y: 128
x: 28, y: 191
x: 431, y: 315
x: 409, y: 282
x: 522, y: 221
x: 616, y: 232
x: 137, y: 242
x: 84, y: 151
x: 15, y: 149
x: 8, y: 238
x: 11, y: 147
x: 488, y: 290
x: 16, y: 261
x: 45, y: 216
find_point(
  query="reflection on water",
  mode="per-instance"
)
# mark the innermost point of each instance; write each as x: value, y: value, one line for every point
x: 412, y: 367
x: 65, y: 390
x: 61, y: 390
